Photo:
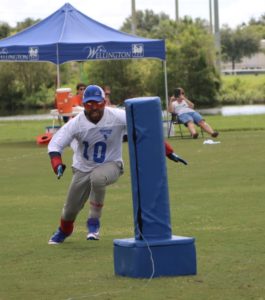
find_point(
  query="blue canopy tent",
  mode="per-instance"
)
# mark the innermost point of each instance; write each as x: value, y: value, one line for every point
x: 69, y: 35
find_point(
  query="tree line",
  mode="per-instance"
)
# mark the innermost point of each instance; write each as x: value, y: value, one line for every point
x: 191, y: 63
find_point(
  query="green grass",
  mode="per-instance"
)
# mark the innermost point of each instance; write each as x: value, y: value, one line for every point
x: 27, y: 131
x: 233, y: 123
x: 238, y: 123
x: 218, y: 198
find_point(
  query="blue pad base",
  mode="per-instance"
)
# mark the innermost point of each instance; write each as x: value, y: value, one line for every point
x: 171, y: 257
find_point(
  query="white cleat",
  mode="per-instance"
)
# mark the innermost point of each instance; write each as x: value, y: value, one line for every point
x: 51, y: 242
x: 93, y: 236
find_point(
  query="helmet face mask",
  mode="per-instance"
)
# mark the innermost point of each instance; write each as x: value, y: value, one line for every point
x: 93, y: 93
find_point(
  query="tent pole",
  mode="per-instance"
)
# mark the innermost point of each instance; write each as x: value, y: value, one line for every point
x: 166, y: 90
x: 58, y: 75
x: 58, y: 66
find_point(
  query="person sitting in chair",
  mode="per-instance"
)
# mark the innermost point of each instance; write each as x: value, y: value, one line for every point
x: 184, y: 109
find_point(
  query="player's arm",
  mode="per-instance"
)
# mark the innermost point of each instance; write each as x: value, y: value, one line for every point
x: 59, y: 141
x: 173, y: 156
x: 57, y: 163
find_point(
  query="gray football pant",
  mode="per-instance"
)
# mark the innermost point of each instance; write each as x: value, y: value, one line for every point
x: 90, y: 186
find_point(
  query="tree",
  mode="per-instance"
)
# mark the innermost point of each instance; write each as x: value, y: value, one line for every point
x: 243, y: 41
x: 10, y: 94
x: 258, y: 26
x: 20, y: 83
x: 190, y: 56
x: 25, y: 24
x: 5, y: 30
x: 260, y: 21
x: 123, y: 76
x: 191, y: 62
x: 146, y: 22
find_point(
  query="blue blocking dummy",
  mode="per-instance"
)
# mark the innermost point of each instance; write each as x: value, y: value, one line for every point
x: 154, y: 251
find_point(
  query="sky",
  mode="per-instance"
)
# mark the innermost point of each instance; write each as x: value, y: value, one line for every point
x: 114, y: 12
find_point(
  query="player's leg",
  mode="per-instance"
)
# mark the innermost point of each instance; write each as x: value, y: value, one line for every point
x: 101, y: 176
x: 77, y: 196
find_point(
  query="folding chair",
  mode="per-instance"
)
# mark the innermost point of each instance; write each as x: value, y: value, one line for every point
x: 175, y: 121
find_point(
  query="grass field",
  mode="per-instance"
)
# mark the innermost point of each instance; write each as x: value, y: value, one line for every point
x: 218, y: 198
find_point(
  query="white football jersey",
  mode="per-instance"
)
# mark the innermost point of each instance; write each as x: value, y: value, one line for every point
x: 93, y: 144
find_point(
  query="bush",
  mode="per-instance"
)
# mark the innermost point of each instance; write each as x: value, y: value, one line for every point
x: 242, y: 89
x: 43, y: 98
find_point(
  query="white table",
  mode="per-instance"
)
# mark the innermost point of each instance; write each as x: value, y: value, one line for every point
x: 59, y: 116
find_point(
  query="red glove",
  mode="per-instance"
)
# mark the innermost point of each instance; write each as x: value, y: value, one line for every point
x: 172, y: 156
x: 56, y: 161
x: 169, y: 148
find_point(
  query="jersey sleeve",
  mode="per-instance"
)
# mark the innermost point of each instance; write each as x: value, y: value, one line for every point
x: 62, y: 138
x: 120, y: 113
x: 122, y: 117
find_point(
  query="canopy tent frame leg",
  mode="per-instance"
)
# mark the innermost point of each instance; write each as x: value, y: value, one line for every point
x: 166, y: 91
x: 58, y: 76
